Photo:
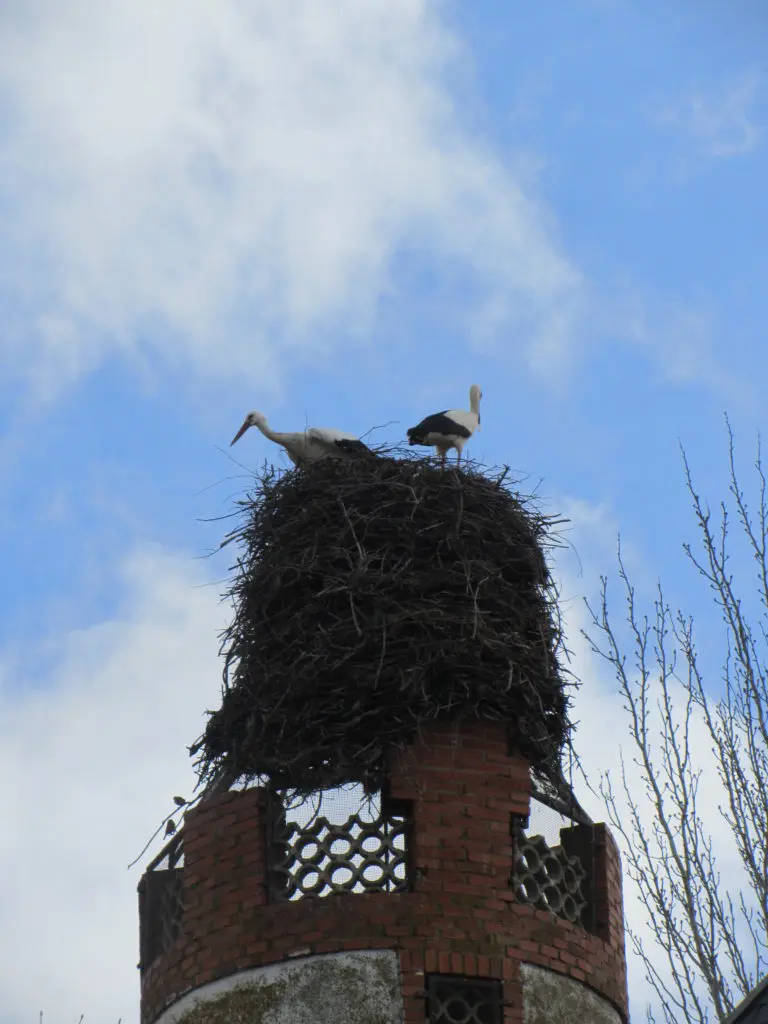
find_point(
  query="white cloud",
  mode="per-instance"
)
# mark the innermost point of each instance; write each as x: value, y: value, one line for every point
x: 215, y: 183
x: 722, y: 123
x: 90, y: 755
x: 681, y: 339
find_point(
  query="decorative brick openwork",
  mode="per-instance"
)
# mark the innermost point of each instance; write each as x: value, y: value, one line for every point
x: 361, y: 854
x: 459, y: 916
x: 548, y: 877
x: 452, y: 1000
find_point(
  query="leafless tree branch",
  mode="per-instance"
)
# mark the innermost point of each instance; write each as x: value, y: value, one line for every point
x: 709, y: 934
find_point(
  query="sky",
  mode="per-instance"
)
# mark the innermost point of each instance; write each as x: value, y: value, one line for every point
x: 341, y: 217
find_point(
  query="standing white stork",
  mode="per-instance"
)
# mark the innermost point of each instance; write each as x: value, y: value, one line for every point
x: 451, y: 428
x: 307, y: 446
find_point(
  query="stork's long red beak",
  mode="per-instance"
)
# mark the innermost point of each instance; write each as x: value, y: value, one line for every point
x: 240, y: 433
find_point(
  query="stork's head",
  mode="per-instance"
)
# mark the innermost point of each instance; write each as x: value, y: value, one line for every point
x: 475, y: 394
x: 253, y: 419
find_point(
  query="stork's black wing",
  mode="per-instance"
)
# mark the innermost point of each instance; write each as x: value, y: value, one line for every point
x: 437, y: 423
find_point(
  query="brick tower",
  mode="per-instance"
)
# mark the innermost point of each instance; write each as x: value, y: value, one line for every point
x: 440, y: 904
x: 453, y: 937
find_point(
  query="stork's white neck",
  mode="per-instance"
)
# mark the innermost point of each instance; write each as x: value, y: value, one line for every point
x: 268, y: 432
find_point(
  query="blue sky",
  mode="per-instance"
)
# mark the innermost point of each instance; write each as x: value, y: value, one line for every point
x: 341, y: 219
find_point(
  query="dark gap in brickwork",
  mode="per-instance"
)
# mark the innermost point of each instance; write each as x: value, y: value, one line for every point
x: 160, y: 913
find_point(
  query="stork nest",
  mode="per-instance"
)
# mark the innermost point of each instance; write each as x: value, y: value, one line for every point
x: 373, y: 595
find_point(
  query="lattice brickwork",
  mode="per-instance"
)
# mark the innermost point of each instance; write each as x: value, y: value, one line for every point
x: 357, y: 855
x: 162, y: 902
x: 456, y: 1000
x: 171, y: 908
x: 547, y: 877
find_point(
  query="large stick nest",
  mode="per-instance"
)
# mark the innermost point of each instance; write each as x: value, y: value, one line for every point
x: 373, y: 595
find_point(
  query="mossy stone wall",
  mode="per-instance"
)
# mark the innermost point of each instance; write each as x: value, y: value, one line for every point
x: 339, y: 988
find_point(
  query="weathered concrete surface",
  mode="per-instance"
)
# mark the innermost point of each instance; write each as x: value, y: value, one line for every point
x: 551, y: 998
x: 338, y: 988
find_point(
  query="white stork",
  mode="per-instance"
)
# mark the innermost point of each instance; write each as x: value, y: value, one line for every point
x: 451, y: 428
x: 309, y: 445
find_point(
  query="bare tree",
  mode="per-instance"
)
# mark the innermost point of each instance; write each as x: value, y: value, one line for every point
x: 710, y: 935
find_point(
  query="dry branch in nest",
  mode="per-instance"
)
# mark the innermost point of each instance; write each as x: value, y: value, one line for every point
x: 371, y: 596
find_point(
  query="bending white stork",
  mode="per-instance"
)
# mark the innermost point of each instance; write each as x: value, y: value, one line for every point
x: 309, y: 445
x: 451, y: 428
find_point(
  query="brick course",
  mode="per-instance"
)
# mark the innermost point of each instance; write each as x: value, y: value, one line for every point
x: 460, y: 918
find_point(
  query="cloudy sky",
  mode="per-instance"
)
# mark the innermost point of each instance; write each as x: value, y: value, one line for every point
x: 342, y: 215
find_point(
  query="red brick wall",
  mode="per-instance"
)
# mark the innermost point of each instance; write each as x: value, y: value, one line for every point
x: 461, y: 917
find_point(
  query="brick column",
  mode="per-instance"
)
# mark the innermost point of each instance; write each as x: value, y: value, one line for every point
x: 465, y: 788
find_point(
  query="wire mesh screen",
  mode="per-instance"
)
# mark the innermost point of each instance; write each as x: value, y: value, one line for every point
x: 546, y: 821
x: 339, y: 841
x: 456, y: 1000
